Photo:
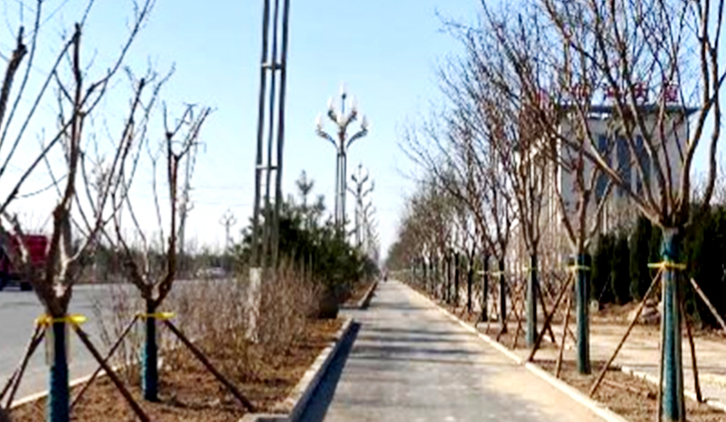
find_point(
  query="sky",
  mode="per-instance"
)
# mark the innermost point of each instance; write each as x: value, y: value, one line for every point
x: 386, y: 52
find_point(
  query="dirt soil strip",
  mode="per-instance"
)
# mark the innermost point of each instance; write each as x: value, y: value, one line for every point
x: 295, y: 404
x: 364, y: 299
x: 190, y: 393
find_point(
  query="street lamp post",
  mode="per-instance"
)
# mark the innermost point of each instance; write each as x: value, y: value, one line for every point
x: 342, y: 119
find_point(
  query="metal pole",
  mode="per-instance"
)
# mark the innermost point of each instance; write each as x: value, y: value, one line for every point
x: 267, y: 230
x: 280, y: 132
x: 337, y: 189
x: 671, y: 399
x: 256, y: 246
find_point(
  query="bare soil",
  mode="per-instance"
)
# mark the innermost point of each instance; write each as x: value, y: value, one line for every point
x: 191, y: 393
x: 631, y: 397
x: 358, y: 292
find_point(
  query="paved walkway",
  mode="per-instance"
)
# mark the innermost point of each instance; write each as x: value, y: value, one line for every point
x: 409, y: 362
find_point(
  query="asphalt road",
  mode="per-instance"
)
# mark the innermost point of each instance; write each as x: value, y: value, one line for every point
x: 410, y: 363
x: 18, y: 311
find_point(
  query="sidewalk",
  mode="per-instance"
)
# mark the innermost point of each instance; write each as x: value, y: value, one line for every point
x: 409, y: 362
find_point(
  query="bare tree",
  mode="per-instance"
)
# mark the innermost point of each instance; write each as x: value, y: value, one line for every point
x: 151, y: 270
x: 658, y: 66
x: 75, y: 222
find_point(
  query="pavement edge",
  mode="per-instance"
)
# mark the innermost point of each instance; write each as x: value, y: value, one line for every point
x: 294, y: 405
x: 365, y: 300
x: 598, y: 408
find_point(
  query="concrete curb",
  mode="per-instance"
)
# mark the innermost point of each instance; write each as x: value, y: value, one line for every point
x: 598, y: 408
x: 364, y: 301
x: 295, y: 404
x: 716, y: 404
x: 73, y: 383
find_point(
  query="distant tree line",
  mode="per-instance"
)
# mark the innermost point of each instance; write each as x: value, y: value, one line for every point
x: 620, y: 272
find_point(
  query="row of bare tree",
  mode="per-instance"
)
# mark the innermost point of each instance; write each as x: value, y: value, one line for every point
x: 559, y: 115
x: 105, y: 138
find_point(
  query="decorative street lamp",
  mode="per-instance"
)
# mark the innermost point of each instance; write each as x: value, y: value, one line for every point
x: 343, y: 119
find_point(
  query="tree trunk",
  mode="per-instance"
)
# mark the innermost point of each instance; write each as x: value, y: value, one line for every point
x: 485, y: 291
x: 671, y: 398
x: 456, y: 280
x: 150, y: 369
x: 532, y: 302
x: 502, y: 297
x: 469, y: 281
x: 58, y: 395
x: 582, y: 292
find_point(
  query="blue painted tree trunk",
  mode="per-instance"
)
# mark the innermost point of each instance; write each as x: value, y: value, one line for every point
x: 485, y: 290
x: 532, y: 302
x: 58, y: 395
x: 425, y: 274
x: 502, y: 297
x: 582, y: 293
x: 672, y: 402
x: 150, y: 368
x: 456, y: 279
x: 469, y: 282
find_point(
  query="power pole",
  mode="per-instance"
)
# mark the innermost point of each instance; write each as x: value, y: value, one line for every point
x: 270, y: 125
x: 228, y: 220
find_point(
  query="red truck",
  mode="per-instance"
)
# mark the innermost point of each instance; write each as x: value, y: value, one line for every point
x: 37, y: 248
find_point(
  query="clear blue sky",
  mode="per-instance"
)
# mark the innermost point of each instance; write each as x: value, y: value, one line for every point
x: 387, y: 52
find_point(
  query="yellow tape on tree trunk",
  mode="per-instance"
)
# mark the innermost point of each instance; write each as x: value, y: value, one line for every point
x: 46, y: 320
x: 668, y: 265
x: 157, y: 315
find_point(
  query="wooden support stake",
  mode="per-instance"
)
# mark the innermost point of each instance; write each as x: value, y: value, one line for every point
x: 105, y: 359
x: 17, y: 376
x: 203, y: 359
x: 111, y: 374
x: 547, y: 324
x: 627, y: 333
x: 558, y: 368
x: 548, y: 317
x: 517, y: 315
x: 709, y: 305
x: 696, y: 383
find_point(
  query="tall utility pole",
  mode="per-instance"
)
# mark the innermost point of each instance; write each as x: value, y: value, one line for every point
x: 360, y: 192
x: 228, y: 220
x: 270, y: 134
x: 342, y: 119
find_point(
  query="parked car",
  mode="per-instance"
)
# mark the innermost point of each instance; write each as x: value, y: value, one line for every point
x: 37, y: 248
